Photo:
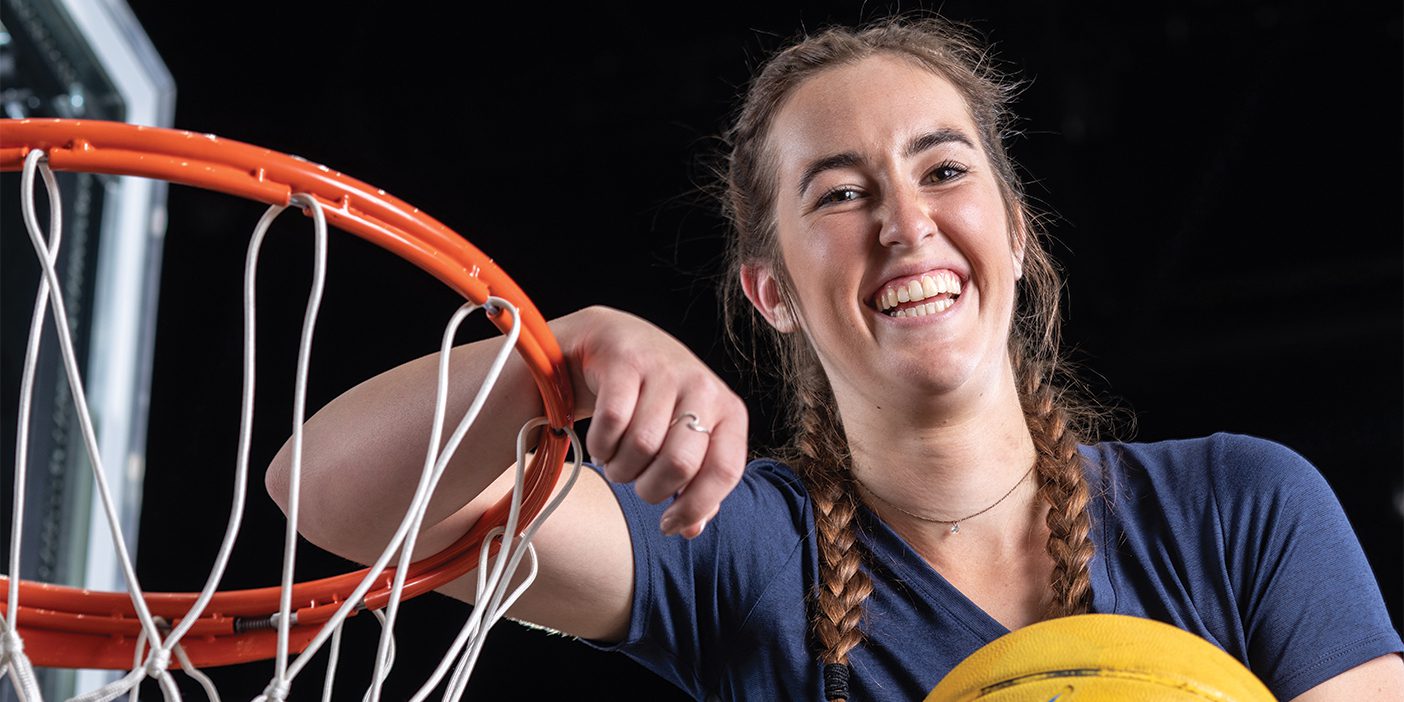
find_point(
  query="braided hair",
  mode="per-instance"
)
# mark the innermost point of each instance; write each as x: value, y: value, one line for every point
x: 819, y: 450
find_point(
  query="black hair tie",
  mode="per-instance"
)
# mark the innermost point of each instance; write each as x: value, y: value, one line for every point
x: 835, y: 681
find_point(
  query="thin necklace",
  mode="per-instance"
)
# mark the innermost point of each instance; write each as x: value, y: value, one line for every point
x: 954, y: 523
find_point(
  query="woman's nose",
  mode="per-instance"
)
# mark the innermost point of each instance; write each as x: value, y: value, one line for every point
x: 907, y: 220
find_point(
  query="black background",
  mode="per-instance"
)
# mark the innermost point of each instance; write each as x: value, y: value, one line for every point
x: 1226, y: 180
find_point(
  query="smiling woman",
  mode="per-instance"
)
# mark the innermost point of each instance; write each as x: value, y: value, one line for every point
x: 1228, y: 275
x: 936, y: 490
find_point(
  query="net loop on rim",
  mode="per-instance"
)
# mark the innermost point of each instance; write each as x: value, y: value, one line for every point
x: 17, y: 663
x: 50, y: 297
x: 72, y: 628
x: 51, y: 292
x: 285, y: 618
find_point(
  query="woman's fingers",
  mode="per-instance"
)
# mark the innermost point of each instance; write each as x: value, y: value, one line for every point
x: 616, y: 397
x: 720, y: 470
x: 679, y: 459
x: 646, y: 436
x: 685, y: 438
x: 634, y: 381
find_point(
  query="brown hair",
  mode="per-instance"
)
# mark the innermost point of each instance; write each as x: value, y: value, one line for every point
x: 818, y: 450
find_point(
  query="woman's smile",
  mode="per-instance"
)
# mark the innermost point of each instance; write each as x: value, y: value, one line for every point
x: 927, y: 294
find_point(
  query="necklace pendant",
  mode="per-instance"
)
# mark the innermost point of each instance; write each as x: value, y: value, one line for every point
x: 955, y: 528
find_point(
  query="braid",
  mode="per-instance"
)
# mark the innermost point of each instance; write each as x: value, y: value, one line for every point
x: 1063, y: 485
x: 823, y: 460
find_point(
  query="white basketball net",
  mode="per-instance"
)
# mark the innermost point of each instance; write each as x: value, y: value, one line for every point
x: 158, y: 642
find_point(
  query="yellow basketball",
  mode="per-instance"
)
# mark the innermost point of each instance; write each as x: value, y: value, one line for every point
x: 1102, y: 657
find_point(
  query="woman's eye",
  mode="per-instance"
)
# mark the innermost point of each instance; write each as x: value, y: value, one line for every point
x: 949, y: 170
x: 838, y: 195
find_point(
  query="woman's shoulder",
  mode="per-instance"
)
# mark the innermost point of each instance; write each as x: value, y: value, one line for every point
x: 1242, y: 541
x: 1224, y: 465
x: 776, y: 472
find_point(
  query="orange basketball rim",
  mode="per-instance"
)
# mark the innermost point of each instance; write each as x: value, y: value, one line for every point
x: 74, y: 628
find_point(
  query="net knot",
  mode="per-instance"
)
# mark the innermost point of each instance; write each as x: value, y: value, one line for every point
x: 158, y: 662
x: 277, y: 691
x: 11, y: 644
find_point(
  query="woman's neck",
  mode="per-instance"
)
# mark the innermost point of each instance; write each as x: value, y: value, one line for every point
x: 942, y: 460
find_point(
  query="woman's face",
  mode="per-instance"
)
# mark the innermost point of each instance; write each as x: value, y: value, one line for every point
x: 894, y: 234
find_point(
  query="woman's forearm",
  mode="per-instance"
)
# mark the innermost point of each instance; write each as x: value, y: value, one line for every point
x: 363, y: 453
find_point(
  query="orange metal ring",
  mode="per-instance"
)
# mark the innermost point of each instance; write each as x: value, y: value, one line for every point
x: 74, y: 628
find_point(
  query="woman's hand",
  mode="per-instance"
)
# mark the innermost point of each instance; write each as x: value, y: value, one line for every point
x: 638, y: 383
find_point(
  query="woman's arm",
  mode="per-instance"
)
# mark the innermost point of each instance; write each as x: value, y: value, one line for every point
x: 363, y: 454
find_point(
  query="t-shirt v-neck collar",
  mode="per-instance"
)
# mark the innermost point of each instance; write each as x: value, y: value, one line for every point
x: 893, y: 552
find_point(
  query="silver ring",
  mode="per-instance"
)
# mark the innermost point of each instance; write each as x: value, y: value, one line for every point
x: 694, y: 422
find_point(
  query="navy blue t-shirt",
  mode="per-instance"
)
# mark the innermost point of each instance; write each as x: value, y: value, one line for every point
x: 1236, y: 539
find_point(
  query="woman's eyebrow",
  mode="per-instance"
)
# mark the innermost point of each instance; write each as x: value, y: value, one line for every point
x: 933, y: 139
x: 843, y: 160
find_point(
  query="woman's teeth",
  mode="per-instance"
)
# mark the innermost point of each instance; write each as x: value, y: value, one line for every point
x: 923, y: 309
x: 895, y: 300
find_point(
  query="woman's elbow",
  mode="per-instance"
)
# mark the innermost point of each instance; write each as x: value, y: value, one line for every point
x: 275, y: 478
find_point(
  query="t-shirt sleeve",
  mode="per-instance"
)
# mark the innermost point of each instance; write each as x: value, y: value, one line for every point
x: 689, y: 596
x: 1310, y: 605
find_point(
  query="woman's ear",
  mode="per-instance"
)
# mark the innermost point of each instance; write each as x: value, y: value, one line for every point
x: 763, y: 290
